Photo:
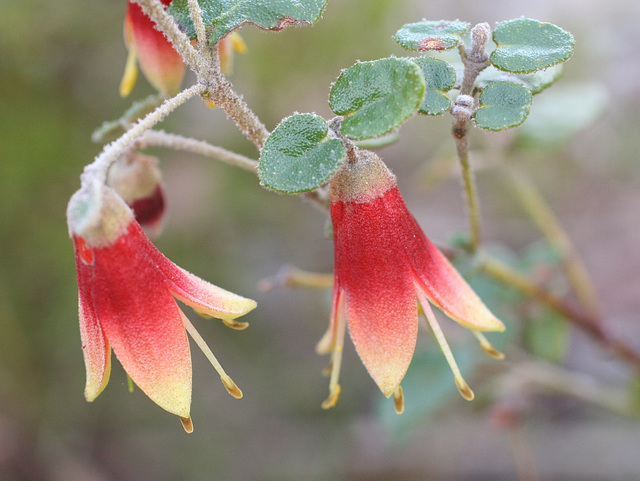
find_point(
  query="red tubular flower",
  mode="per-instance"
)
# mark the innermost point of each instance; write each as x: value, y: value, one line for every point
x: 161, y: 64
x: 126, y: 291
x: 137, y: 179
x: 383, y: 261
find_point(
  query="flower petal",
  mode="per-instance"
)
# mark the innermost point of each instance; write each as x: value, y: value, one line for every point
x: 159, y: 61
x: 95, y: 347
x: 377, y: 279
x: 142, y: 322
x: 439, y: 280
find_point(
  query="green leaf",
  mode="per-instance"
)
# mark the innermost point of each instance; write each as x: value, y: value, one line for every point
x: 535, y: 82
x: 525, y: 45
x: 377, y: 96
x: 298, y: 156
x: 562, y: 113
x: 547, y: 335
x: 429, y: 35
x: 440, y: 78
x: 502, y: 105
x: 222, y: 16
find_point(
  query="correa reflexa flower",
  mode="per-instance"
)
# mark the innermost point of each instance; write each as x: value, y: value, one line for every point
x: 383, y: 261
x: 126, y: 291
x: 138, y: 180
x: 161, y: 64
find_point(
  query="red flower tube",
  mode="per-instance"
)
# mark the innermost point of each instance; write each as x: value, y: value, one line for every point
x: 161, y: 64
x: 126, y: 291
x: 383, y: 261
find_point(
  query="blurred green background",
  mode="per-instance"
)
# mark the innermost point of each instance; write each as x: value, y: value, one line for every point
x: 60, y: 66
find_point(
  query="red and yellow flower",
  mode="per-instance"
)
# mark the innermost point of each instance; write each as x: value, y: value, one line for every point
x: 383, y: 262
x: 126, y: 291
x: 161, y: 64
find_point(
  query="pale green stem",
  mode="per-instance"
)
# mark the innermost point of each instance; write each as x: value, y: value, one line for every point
x: 586, y: 321
x: 543, y: 217
x: 196, y: 17
x: 97, y: 170
x: 159, y: 138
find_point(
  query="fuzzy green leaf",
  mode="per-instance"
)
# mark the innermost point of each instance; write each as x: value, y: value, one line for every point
x: 525, y: 45
x: 502, y: 105
x: 440, y: 78
x: 298, y: 156
x: 376, y: 97
x: 535, y: 82
x: 223, y: 16
x: 430, y: 35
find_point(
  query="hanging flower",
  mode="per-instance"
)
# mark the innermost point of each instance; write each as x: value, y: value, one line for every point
x: 161, y: 64
x: 383, y: 261
x: 138, y: 180
x: 126, y: 290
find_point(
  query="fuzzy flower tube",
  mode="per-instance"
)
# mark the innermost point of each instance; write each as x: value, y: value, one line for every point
x: 383, y: 262
x: 127, y: 291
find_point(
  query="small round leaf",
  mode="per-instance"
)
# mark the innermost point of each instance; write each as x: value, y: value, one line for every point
x: 536, y: 82
x: 377, y: 96
x: 430, y: 35
x: 440, y: 77
x: 298, y: 156
x: 502, y: 105
x: 526, y: 45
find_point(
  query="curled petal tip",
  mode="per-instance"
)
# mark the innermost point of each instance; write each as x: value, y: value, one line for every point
x: 187, y: 424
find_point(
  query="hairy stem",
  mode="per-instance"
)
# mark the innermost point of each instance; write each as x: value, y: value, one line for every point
x: 475, y: 60
x: 159, y: 138
x: 97, y: 170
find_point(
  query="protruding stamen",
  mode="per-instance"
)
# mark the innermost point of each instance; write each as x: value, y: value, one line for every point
x: 238, y: 326
x: 398, y: 400
x: 187, y: 424
x: 336, y: 354
x: 326, y: 372
x: 130, y: 73
x: 486, y: 345
x: 130, y: 384
x: 333, y: 397
x: 226, y: 380
x: 463, y: 387
x: 231, y: 386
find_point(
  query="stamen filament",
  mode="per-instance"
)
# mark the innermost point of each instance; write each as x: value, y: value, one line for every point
x: 462, y: 385
x: 336, y: 355
x: 226, y: 380
x: 486, y: 345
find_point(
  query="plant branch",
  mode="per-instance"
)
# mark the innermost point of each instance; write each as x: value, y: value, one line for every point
x: 592, y: 325
x: 159, y: 138
x: 97, y: 170
x: 475, y: 61
x: 543, y: 217
x: 196, y: 17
